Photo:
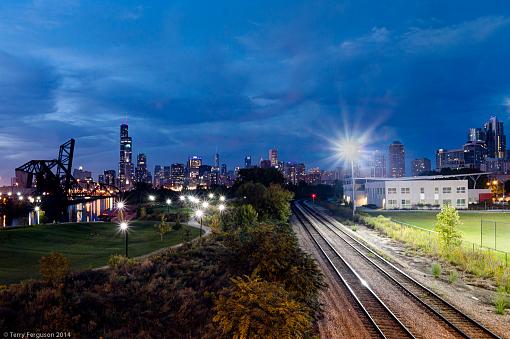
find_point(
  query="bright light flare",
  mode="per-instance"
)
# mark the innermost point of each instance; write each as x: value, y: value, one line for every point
x: 152, y: 198
x: 222, y: 198
x: 205, y: 204
x: 168, y: 201
x: 199, y: 213
x: 211, y: 196
x: 123, y: 226
x: 221, y: 207
x: 37, y: 208
x: 121, y: 205
x: 182, y: 198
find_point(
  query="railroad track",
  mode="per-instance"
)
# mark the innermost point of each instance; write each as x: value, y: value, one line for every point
x: 383, y: 322
x: 449, y: 314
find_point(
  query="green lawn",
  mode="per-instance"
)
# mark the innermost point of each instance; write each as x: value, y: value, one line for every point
x: 470, y: 225
x: 20, y: 249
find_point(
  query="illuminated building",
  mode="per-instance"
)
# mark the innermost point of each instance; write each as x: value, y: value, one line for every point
x: 420, y: 165
x: 273, y: 157
x: 396, y: 155
x: 141, y: 173
x: 247, y: 161
x: 495, y: 138
x: 125, y: 159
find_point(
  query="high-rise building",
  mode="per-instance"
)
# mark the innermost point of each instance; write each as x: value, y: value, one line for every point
x: 247, y: 161
x: 273, y: 157
x: 158, y: 176
x: 177, y: 174
x: 167, y: 175
x: 265, y: 163
x: 495, y: 138
x: 453, y: 159
x: 141, y: 173
x: 476, y: 135
x: 377, y: 165
x: 125, y: 159
x: 294, y: 172
x: 420, y: 165
x: 216, y: 160
x: 192, y: 166
x: 80, y: 174
x: 475, y: 153
x: 109, y: 177
x: 223, y: 169
x: 397, y: 162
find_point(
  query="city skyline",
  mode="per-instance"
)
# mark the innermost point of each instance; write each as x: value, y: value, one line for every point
x: 192, y: 79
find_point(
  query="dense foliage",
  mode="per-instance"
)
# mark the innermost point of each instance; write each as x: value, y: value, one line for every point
x: 249, y: 279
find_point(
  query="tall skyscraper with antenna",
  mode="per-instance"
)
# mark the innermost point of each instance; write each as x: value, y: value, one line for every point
x: 125, y: 159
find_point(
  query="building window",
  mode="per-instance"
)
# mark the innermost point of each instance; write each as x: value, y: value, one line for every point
x: 461, y: 189
x: 447, y: 190
x: 447, y: 202
x: 461, y: 202
x: 392, y: 202
x: 405, y: 190
x: 392, y: 190
x: 422, y: 189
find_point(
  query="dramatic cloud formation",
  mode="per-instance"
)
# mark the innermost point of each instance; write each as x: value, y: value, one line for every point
x: 196, y: 76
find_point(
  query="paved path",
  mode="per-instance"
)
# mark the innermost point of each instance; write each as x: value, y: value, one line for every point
x: 192, y: 223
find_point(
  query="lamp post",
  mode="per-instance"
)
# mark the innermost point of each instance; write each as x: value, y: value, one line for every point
x: 199, y: 214
x: 349, y: 150
x: 124, y: 228
x: 120, y: 208
x: 37, y: 209
x: 168, y: 203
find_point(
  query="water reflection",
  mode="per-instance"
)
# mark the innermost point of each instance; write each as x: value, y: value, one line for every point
x: 90, y: 210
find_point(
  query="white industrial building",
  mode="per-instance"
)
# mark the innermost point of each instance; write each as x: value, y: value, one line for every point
x: 413, y: 194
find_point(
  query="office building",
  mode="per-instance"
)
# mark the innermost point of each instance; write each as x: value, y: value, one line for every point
x: 125, y: 159
x: 247, y: 161
x: 273, y: 157
x: 452, y: 159
x: 265, y: 163
x: 109, y: 177
x: 81, y: 174
x: 420, y: 165
x: 158, y: 176
x: 177, y: 174
x: 294, y: 172
x: 192, y: 166
x: 475, y: 153
x: 495, y: 138
x: 141, y: 173
x: 377, y: 165
x: 396, y: 155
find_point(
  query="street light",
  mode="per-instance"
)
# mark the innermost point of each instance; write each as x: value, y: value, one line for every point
x: 349, y: 150
x: 182, y: 198
x: 152, y: 198
x: 124, y: 228
x: 168, y: 203
x: 37, y: 209
x: 211, y: 196
x: 221, y: 207
x: 205, y: 204
x: 222, y: 198
x: 199, y: 214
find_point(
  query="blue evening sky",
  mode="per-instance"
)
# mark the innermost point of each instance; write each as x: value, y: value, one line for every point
x: 244, y: 76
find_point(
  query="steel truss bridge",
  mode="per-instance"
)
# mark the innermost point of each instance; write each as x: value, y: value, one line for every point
x: 54, y: 175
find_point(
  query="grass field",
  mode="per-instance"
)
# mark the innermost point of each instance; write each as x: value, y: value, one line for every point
x: 21, y: 249
x: 470, y: 225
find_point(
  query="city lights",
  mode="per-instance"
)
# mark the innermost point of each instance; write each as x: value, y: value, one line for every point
x: 182, y: 198
x: 221, y: 207
x: 205, y: 204
x: 222, y: 198
x: 211, y: 196
x: 152, y: 198
x: 120, y: 205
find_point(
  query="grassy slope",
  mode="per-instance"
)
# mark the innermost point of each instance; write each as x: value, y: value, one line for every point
x: 20, y: 249
x: 470, y: 227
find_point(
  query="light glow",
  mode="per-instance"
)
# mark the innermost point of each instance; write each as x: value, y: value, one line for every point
x: 199, y: 213
x: 123, y: 226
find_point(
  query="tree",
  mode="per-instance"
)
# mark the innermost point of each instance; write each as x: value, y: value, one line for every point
x: 448, y: 222
x: 246, y: 216
x: 278, y: 201
x: 54, y: 267
x: 163, y: 227
x: 264, y: 176
x: 254, y: 308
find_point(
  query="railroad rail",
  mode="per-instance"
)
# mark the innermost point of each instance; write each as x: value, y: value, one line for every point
x: 384, y: 323
x: 449, y: 314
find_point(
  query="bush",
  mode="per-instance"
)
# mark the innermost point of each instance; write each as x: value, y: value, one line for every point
x: 436, y: 270
x: 254, y: 308
x: 54, y: 267
x: 453, y: 277
x: 447, y: 226
x: 500, y: 303
x: 118, y: 261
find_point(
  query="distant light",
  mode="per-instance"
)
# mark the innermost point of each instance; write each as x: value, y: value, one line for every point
x: 152, y: 198
x: 363, y: 282
x: 168, y: 201
x: 205, y: 204
x: 20, y: 197
x: 495, y: 182
x: 123, y: 226
x: 120, y: 205
x: 221, y: 207
x: 18, y: 193
x: 314, y: 195
x: 199, y: 213
x: 182, y: 198
x: 211, y: 195
x: 37, y: 208
x: 222, y: 198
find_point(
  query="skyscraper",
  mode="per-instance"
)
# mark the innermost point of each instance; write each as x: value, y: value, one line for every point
x: 273, y: 157
x: 177, y: 174
x: 377, y: 165
x: 109, y: 177
x: 396, y: 156
x: 247, y: 161
x: 216, y: 160
x: 125, y: 159
x: 158, y: 175
x: 420, y: 165
x: 194, y: 163
x: 495, y: 138
x: 141, y: 173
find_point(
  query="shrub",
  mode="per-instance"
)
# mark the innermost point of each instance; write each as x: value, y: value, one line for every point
x: 436, y: 270
x: 453, y: 277
x: 256, y: 308
x: 354, y: 228
x: 54, y: 267
x: 500, y: 303
x: 117, y: 261
x: 162, y: 228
